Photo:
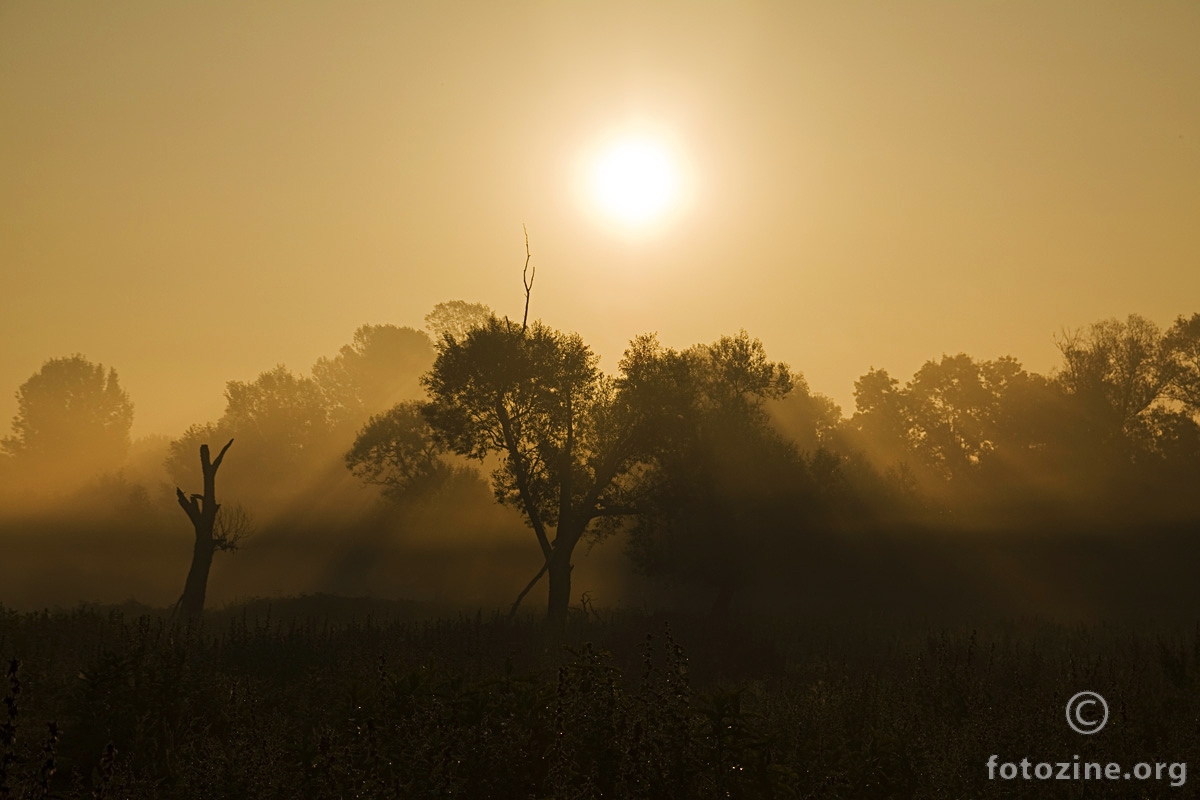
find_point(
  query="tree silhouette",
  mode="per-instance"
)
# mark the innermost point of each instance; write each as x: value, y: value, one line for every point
x: 958, y: 422
x: 203, y: 511
x: 282, y: 425
x: 1182, y: 344
x: 567, y: 433
x: 455, y: 317
x: 720, y: 481
x: 398, y: 451
x: 380, y: 368
x: 1116, y: 371
x: 72, y: 417
x: 808, y: 419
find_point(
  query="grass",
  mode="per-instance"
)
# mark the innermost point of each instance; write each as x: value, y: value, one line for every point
x: 329, y: 698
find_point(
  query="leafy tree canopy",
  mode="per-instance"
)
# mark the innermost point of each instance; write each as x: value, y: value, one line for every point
x: 72, y: 415
x: 380, y: 368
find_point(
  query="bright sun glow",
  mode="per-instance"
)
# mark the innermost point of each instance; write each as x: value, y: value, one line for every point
x: 635, y: 181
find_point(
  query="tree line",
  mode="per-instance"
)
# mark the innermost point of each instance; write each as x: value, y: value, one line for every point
x: 715, y: 463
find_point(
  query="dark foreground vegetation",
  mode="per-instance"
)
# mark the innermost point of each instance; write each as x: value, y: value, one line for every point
x: 317, y: 699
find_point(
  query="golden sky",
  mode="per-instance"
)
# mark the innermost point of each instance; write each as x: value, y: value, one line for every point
x: 195, y: 192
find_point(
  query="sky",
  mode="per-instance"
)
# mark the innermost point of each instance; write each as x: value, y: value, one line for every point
x: 195, y: 192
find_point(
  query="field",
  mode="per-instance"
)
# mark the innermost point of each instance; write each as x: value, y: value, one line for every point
x: 325, y: 697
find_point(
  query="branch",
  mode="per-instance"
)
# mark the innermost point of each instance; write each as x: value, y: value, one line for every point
x: 527, y: 281
x: 606, y: 472
x: 514, y: 455
x: 221, y: 455
x: 232, y: 526
x: 190, y: 507
x: 513, y: 611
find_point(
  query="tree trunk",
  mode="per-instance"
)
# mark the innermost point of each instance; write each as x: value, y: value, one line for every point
x: 560, y: 584
x: 192, y: 602
x: 202, y: 511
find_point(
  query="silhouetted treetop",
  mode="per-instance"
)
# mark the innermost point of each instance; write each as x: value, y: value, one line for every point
x: 280, y: 420
x: 455, y: 318
x: 380, y: 368
x: 1183, y: 347
x: 1116, y: 370
x: 72, y: 415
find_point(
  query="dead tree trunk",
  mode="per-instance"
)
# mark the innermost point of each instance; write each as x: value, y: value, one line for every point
x: 202, y: 511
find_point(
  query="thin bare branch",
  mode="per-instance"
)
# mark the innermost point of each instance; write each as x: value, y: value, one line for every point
x: 232, y: 526
x: 527, y: 279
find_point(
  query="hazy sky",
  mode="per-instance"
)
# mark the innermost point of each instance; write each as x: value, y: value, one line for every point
x: 195, y: 192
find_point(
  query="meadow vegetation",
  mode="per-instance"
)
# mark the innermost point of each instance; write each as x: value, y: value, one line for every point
x: 324, y: 698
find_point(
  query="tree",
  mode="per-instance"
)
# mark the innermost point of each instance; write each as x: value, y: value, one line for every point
x: 809, y: 419
x: 279, y: 407
x: 721, y: 490
x: 1116, y: 371
x: 567, y: 433
x: 380, y: 368
x: 455, y: 317
x: 882, y: 419
x: 1182, y: 344
x: 281, y: 422
x: 953, y: 417
x: 398, y: 451
x: 72, y: 416
x: 204, y: 513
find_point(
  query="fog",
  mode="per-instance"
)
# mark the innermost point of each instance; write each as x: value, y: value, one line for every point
x: 971, y: 485
x: 960, y: 241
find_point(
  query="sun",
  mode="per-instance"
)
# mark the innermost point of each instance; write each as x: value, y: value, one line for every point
x: 635, y: 181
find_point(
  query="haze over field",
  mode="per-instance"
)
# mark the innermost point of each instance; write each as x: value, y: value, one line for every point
x: 194, y: 194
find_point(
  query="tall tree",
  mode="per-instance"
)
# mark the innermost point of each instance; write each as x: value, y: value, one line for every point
x: 73, y: 416
x: 1116, y: 370
x: 882, y: 421
x: 567, y: 433
x: 722, y: 490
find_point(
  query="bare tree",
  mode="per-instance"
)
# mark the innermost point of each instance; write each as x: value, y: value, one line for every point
x: 210, y: 536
